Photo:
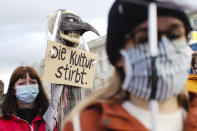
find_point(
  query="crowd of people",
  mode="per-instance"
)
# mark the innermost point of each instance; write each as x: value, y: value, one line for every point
x: 146, y: 92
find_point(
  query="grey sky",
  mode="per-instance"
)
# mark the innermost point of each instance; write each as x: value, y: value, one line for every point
x: 23, y: 27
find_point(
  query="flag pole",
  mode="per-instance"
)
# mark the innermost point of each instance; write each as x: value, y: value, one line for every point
x: 153, y: 46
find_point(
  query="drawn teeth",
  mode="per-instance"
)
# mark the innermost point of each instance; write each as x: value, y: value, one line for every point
x: 72, y: 36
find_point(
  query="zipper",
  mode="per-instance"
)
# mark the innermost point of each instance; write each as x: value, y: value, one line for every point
x: 31, y: 126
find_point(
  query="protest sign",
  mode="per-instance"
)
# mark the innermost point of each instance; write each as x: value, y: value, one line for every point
x: 69, y: 66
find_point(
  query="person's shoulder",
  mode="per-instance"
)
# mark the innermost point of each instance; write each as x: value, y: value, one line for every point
x: 104, y: 116
x: 91, y: 117
x: 1, y: 119
x: 99, y: 109
x: 92, y: 113
x: 7, y: 118
x: 102, y: 106
x: 4, y: 122
x: 93, y: 108
x: 8, y: 123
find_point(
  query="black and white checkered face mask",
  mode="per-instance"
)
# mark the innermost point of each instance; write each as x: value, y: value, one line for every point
x: 172, y: 67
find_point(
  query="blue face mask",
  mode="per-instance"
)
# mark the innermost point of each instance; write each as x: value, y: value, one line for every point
x: 27, y: 93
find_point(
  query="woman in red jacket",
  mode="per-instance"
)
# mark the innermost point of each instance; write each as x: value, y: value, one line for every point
x: 24, y: 103
x: 142, y: 80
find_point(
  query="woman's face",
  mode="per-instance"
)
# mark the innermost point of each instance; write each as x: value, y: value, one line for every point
x: 27, y: 81
x: 139, y: 72
x: 170, y: 27
x: 22, y: 83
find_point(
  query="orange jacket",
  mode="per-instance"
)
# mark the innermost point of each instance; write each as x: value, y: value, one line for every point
x: 105, y: 117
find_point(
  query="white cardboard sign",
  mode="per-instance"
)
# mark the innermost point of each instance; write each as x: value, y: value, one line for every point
x: 69, y: 66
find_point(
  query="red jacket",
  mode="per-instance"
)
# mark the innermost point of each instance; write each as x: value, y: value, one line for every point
x: 113, y: 117
x: 17, y: 124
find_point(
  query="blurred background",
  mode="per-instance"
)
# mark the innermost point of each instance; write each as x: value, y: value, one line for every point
x: 23, y: 29
x: 23, y: 33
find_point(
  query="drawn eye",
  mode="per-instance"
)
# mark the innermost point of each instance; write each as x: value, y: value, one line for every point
x: 71, y: 20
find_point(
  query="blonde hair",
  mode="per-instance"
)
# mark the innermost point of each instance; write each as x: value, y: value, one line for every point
x: 115, y: 94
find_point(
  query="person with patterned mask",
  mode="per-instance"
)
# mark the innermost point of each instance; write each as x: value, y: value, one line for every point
x: 146, y: 92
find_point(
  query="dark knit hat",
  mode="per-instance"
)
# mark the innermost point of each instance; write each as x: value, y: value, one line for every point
x: 125, y: 16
